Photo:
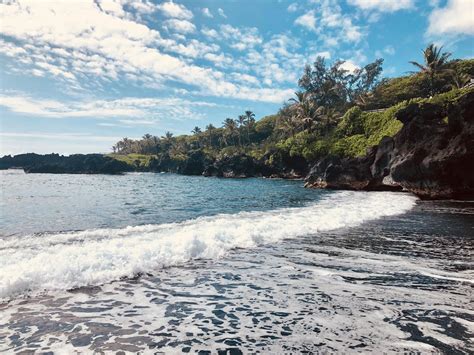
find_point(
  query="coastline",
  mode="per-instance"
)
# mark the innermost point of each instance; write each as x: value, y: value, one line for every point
x: 431, y: 156
x: 330, y: 284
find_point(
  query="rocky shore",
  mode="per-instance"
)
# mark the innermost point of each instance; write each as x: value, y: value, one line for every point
x: 432, y: 155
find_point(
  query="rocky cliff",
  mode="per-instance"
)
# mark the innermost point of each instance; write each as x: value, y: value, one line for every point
x: 431, y: 156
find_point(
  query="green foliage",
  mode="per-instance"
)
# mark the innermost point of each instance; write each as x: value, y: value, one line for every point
x: 140, y: 161
x: 303, y: 130
x: 351, y: 123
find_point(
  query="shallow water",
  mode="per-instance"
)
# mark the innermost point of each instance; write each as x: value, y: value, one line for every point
x: 313, y: 271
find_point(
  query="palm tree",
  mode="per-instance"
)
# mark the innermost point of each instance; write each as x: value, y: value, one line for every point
x: 249, y: 122
x: 210, y: 130
x: 167, y: 139
x: 287, y: 121
x: 460, y: 80
x: 230, y: 128
x: 435, y: 62
x: 196, y: 130
x: 241, y: 120
x: 304, y: 109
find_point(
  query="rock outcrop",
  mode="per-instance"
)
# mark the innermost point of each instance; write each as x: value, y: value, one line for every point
x: 59, y: 164
x: 431, y: 156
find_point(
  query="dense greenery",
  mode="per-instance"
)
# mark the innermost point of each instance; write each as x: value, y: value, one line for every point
x: 335, y: 112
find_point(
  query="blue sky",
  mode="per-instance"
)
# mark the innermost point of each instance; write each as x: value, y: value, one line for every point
x: 78, y: 75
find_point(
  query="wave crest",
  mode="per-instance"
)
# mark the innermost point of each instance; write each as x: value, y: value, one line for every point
x: 92, y: 257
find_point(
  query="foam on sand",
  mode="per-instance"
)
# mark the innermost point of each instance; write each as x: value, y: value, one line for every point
x: 92, y: 257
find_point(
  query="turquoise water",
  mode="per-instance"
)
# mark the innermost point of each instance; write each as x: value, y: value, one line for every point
x: 165, y: 263
x: 33, y: 203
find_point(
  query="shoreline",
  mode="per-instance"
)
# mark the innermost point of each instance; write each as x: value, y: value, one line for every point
x: 303, y: 179
x: 192, y: 303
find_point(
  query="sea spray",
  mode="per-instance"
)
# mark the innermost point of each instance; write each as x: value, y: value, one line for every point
x: 92, y: 257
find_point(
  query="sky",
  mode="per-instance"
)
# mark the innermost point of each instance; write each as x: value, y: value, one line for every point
x: 78, y: 75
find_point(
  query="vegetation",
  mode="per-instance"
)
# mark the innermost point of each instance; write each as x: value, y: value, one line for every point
x: 335, y: 112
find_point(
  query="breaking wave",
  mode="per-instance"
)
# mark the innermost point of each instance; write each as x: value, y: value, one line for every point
x: 67, y: 260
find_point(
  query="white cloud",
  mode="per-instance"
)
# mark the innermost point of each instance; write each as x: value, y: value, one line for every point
x: 457, y: 17
x: 181, y: 26
x: 333, y: 18
x: 383, y: 5
x: 292, y: 7
x: 109, y: 47
x: 350, y: 66
x: 221, y: 13
x: 62, y: 142
x: 65, y: 136
x: 333, y: 27
x: 211, y: 33
x: 128, y: 110
x: 174, y: 10
x: 240, y: 38
x: 307, y: 20
x: 388, y: 50
x: 206, y: 12
x: 324, y: 54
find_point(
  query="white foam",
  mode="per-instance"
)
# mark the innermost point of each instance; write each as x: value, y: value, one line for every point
x: 92, y: 257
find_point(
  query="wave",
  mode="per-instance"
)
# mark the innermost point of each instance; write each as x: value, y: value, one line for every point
x: 68, y: 260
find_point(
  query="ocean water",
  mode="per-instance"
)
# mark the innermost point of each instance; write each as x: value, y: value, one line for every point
x: 163, y: 263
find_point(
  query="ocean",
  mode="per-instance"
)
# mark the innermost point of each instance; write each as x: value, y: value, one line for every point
x: 165, y: 263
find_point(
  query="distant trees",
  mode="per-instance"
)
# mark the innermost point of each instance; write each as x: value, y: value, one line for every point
x: 307, y: 124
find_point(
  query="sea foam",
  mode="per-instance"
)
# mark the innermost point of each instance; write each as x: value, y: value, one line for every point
x: 92, y: 257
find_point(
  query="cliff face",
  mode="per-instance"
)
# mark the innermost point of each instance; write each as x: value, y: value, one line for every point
x: 431, y: 156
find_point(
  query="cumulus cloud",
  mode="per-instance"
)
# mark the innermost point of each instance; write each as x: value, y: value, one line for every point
x: 221, y: 13
x: 350, y: 66
x: 174, y: 10
x: 181, y: 26
x: 130, y: 110
x: 206, y: 12
x: 241, y: 38
x: 53, y: 39
x: 307, y: 20
x: 456, y: 18
x: 387, y: 50
x: 332, y: 25
x: 292, y: 7
x: 383, y: 5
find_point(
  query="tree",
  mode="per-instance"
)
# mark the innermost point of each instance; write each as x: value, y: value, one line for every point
x: 210, y: 131
x: 167, y: 140
x: 230, y: 128
x: 336, y: 87
x: 196, y: 130
x: 435, y: 62
x: 241, y: 120
x: 249, y: 122
x: 459, y: 80
x: 327, y: 85
x: 304, y: 109
x: 363, y: 81
x: 287, y: 122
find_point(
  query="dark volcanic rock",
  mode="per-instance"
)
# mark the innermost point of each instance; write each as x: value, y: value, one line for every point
x: 334, y: 173
x: 234, y: 166
x: 439, y: 163
x: 58, y: 164
x: 428, y: 156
